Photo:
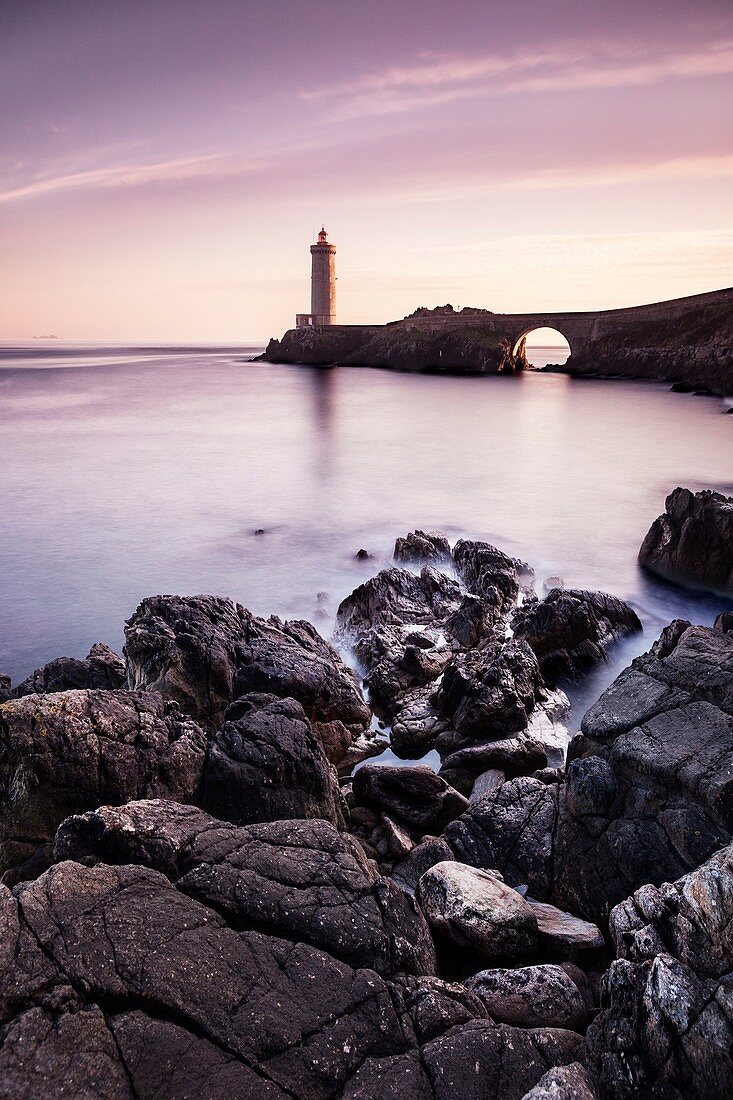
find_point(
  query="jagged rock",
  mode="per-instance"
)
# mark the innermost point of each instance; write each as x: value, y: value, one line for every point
x: 489, y: 573
x: 563, y: 1083
x: 416, y: 725
x: 69, y: 751
x: 692, y: 542
x: 420, y: 546
x: 471, y: 621
x: 398, y: 840
x: 301, y: 880
x: 266, y: 764
x: 724, y: 622
x: 114, y: 977
x: 413, y: 795
x: 475, y: 909
x: 204, y: 652
x: 569, y: 629
x: 510, y: 756
x: 6, y: 688
x: 666, y: 1025
x: 491, y: 692
x: 102, y: 668
x: 396, y: 597
x: 648, y: 785
x: 531, y: 996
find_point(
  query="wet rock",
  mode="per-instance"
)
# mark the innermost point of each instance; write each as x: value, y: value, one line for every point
x: 301, y: 880
x: 362, y: 555
x: 475, y: 909
x: 204, y: 652
x: 490, y: 692
x: 6, y: 688
x: 570, y: 629
x: 563, y: 1083
x: 648, y: 785
x: 67, y: 752
x: 692, y: 542
x: 413, y: 795
x: 489, y: 573
x: 395, y: 598
x: 665, y: 1027
x: 420, y: 546
x: 416, y: 724
x: 531, y: 996
x: 102, y: 668
x: 426, y: 854
x: 471, y: 621
x: 266, y: 764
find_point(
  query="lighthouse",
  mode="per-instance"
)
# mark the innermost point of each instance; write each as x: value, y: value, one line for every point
x: 323, y: 285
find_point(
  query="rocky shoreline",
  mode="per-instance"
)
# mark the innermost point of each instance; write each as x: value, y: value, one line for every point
x: 210, y: 889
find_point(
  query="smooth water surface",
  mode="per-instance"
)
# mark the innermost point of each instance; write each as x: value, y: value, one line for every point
x: 150, y: 470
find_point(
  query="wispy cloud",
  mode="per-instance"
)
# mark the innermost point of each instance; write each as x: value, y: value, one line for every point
x: 213, y: 166
x: 436, y: 79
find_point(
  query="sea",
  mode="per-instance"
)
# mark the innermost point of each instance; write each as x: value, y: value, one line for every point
x: 129, y: 471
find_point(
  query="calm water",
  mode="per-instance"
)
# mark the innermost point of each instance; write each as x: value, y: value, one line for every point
x: 142, y: 471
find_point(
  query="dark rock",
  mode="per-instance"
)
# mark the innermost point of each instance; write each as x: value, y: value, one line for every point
x: 413, y: 795
x: 70, y: 751
x: 724, y: 622
x: 426, y: 854
x: 419, y: 546
x: 564, y: 937
x: 491, y: 692
x: 396, y: 597
x: 692, y: 542
x: 648, y: 785
x: 473, y: 1062
x: 102, y: 668
x: 204, y: 652
x: 570, y: 629
x: 665, y: 1028
x: 510, y: 756
x: 471, y: 622
x: 531, y: 996
x: 362, y: 555
x: 117, y: 984
x: 475, y: 909
x: 6, y: 688
x: 416, y: 724
x: 301, y: 880
x: 266, y: 764
x: 490, y: 573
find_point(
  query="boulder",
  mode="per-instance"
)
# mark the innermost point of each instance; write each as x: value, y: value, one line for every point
x: 570, y: 629
x: 396, y: 598
x: 6, y: 688
x: 666, y: 1024
x: 413, y: 795
x: 266, y: 764
x: 205, y: 651
x: 531, y: 996
x: 115, y: 983
x: 692, y: 541
x: 562, y: 936
x: 419, y: 546
x: 509, y: 756
x: 67, y: 752
x: 416, y: 724
x: 490, y: 692
x: 475, y: 909
x: 101, y: 668
x: 490, y: 573
x: 300, y: 880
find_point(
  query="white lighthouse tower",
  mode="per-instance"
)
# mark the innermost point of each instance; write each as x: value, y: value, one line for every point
x: 323, y: 285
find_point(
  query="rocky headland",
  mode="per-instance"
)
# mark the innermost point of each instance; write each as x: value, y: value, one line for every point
x: 203, y: 897
x: 688, y: 342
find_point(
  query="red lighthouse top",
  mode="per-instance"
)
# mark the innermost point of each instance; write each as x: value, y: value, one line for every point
x: 323, y: 237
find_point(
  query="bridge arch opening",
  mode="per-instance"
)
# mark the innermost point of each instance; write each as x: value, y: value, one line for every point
x: 543, y: 346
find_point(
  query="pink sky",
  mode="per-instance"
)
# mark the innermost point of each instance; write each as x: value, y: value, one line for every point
x: 164, y: 165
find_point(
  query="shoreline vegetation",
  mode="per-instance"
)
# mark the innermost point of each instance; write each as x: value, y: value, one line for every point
x: 209, y: 884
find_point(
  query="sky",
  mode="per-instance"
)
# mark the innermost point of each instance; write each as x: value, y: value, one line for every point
x: 164, y: 164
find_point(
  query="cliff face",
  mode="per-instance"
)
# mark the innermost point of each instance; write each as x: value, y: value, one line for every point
x: 460, y: 350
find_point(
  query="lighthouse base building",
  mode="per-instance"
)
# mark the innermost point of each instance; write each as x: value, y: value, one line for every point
x: 323, y: 285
